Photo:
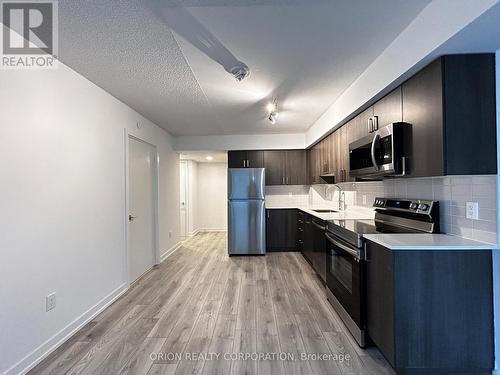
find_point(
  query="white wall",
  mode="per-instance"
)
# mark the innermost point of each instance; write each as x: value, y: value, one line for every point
x: 212, y: 196
x: 63, y: 221
x: 240, y: 142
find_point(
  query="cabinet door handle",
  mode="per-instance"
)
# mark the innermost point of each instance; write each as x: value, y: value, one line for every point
x: 375, y: 123
x: 248, y: 163
x: 244, y: 163
x: 370, y: 125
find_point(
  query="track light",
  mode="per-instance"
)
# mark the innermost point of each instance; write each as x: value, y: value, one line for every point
x: 272, y: 109
x: 273, y: 116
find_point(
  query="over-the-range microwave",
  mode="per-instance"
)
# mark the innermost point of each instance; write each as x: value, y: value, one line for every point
x: 382, y: 153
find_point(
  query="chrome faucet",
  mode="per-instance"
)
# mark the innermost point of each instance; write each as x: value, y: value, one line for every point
x: 341, y: 201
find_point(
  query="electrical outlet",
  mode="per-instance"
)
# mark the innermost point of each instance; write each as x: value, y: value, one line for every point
x: 170, y: 234
x: 290, y: 194
x: 50, y: 302
x: 472, y: 210
x: 364, y: 199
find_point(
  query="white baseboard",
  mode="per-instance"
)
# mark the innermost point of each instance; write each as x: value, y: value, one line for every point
x: 170, y: 251
x: 193, y: 233
x: 208, y: 230
x: 37, y: 355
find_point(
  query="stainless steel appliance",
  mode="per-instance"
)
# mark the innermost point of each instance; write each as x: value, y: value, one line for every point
x: 382, y: 153
x: 246, y: 211
x: 345, y: 273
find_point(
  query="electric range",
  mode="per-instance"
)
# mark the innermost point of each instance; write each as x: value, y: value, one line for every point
x: 345, y: 271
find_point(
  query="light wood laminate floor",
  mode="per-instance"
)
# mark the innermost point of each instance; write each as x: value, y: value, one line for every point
x: 199, y: 300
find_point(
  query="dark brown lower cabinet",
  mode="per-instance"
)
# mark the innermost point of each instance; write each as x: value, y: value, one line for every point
x: 308, y: 246
x: 431, y: 312
x: 281, y: 230
x: 319, y: 248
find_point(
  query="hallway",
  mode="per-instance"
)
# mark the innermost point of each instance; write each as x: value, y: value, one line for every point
x: 200, y: 301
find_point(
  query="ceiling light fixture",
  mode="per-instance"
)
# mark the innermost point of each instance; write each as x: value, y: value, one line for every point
x: 240, y: 72
x: 209, y: 158
x: 272, y: 109
x: 273, y: 116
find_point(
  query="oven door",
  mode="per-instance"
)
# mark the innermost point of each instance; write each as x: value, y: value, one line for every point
x: 345, y: 278
x: 374, y: 155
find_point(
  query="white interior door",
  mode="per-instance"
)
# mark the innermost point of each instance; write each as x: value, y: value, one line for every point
x: 141, y: 252
x: 183, y: 197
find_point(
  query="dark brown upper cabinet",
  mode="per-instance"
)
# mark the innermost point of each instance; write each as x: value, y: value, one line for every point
x: 342, y: 155
x: 359, y: 126
x: 315, y: 164
x: 389, y: 109
x: 245, y: 159
x: 451, y: 107
x: 286, y: 167
x: 296, y: 167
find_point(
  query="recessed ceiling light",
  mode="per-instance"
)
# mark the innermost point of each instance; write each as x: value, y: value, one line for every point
x: 209, y: 158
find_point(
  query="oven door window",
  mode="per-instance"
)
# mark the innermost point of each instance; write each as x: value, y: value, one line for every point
x: 344, y: 279
x: 341, y: 270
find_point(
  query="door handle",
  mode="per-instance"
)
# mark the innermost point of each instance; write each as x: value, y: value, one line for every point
x: 342, y: 246
x: 244, y: 163
x: 370, y: 125
x: 248, y: 163
x: 375, y: 123
x: 374, y: 160
x: 131, y: 218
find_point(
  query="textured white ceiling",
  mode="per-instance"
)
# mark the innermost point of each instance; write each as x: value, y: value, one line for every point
x: 169, y: 59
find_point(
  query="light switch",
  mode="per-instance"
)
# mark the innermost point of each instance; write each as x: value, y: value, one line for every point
x: 472, y: 210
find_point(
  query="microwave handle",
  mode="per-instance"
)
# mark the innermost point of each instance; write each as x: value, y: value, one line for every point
x: 374, y: 160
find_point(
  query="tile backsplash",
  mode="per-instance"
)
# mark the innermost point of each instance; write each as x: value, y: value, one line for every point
x: 294, y: 195
x: 452, y: 192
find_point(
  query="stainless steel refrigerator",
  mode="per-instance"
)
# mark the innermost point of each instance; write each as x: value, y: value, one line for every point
x: 246, y: 211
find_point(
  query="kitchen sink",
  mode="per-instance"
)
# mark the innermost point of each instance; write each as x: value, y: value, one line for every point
x: 325, y: 211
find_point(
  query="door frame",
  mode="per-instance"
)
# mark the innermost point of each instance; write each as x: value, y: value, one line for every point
x: 187, y: 181
x: 156, y: 216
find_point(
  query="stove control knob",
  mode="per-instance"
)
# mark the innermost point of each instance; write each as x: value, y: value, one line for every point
x: 413, y: 206
x: 423, y: 207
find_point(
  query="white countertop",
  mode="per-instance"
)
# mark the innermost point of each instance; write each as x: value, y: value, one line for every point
x: 418, y: 241
x: 355, y: 212
x: 399, y: 241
